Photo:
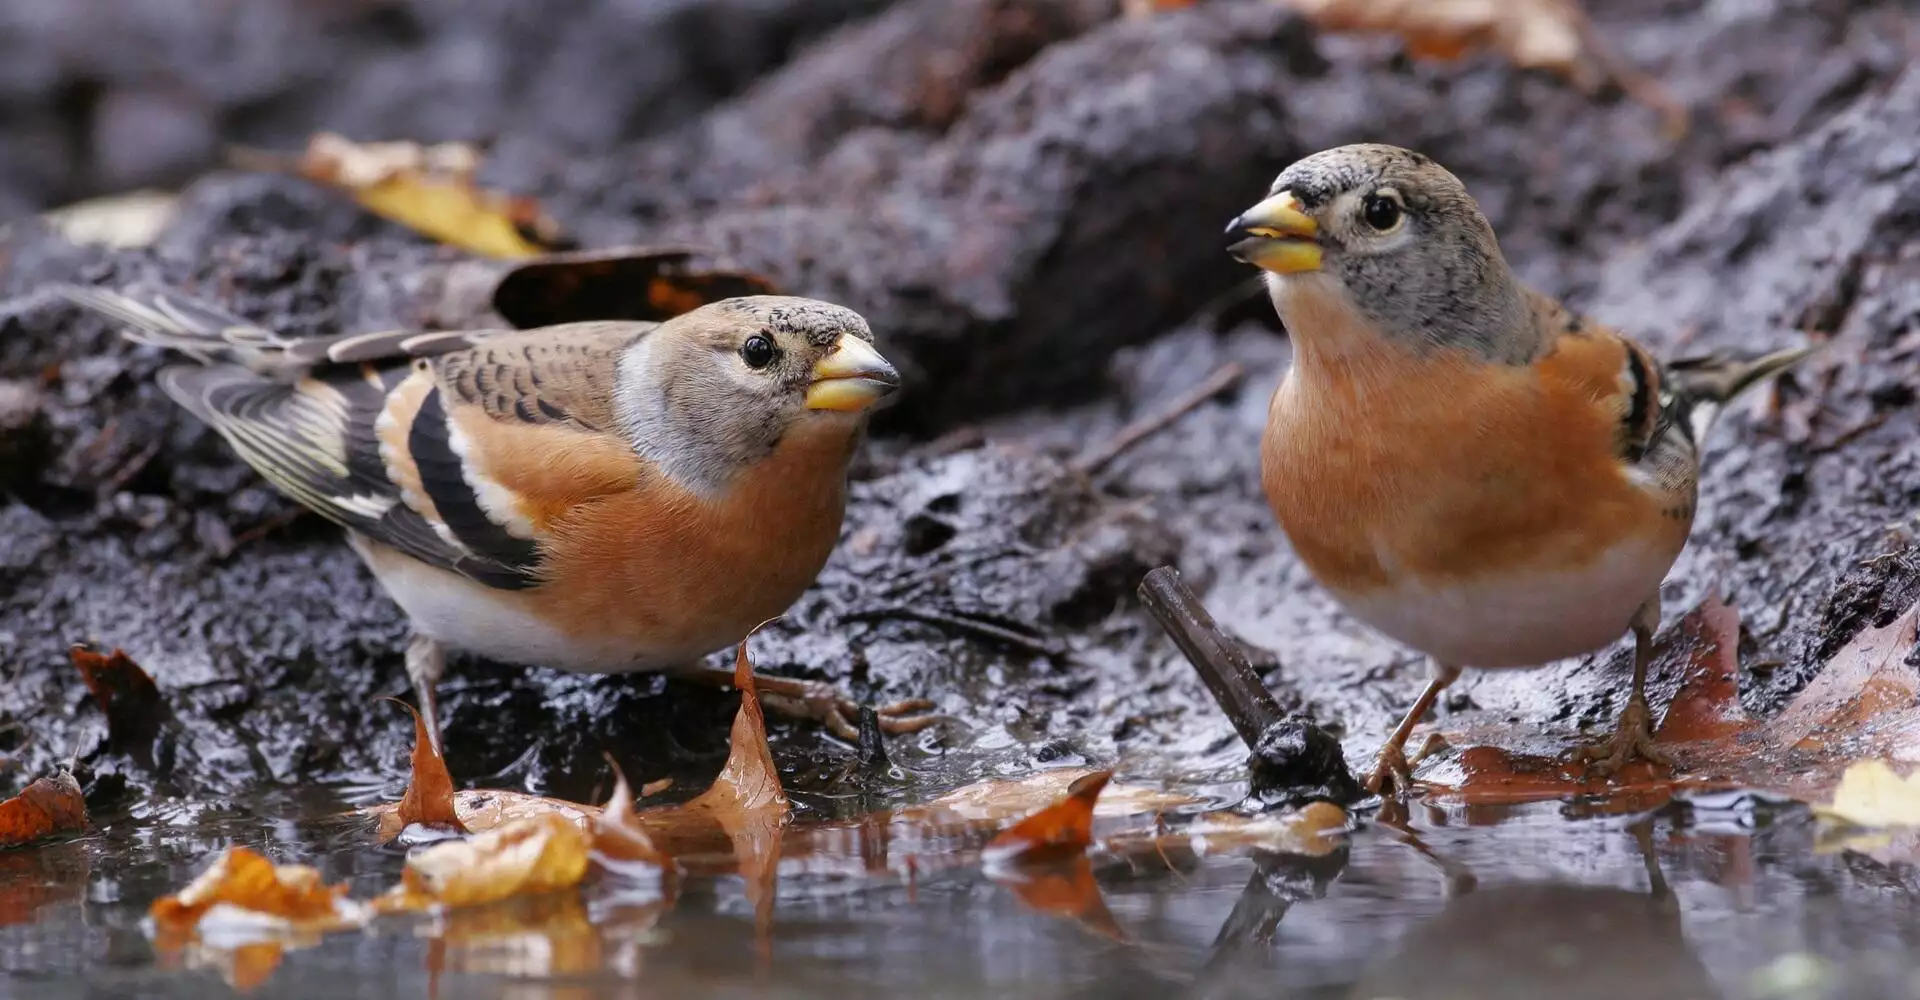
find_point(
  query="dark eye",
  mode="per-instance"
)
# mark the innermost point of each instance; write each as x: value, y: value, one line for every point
x: 757, y: 352
x: 1380, y: 211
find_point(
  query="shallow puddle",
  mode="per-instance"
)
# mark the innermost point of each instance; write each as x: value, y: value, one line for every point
x: 1719, y: 896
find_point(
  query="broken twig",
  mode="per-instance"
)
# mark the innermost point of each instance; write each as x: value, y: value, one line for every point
x: 1223, y: 378
x: 1220, y: 660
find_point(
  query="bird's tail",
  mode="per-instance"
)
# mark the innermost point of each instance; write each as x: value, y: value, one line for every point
x: 1711, y: 382
x: 204, y: 332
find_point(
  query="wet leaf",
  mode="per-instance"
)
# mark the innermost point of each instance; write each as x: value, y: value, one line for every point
x: 429, y: 189
x: 1863, y: 705
x: 1000, y: 799
x: 1314, y: 830
x: 1059, y: 831
x: 1551, y: 35
x: 429, y: 800
x: 1871, y: 794
x: 542, y: 853
x: 47, y: 808
x: 245, y: 890
x: 620, y: 841
x: 627, y: 283
x: 538, y: 937
x: 128, y: 696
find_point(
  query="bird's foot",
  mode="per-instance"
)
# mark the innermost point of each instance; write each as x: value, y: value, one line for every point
x: 1632, y: 740
x: 1392, y: 775
x: 817, y: 701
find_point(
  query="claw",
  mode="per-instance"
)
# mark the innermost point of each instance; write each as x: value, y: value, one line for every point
x: 815, y: 701
x: 1392, y: 775
x: 1631, y: 740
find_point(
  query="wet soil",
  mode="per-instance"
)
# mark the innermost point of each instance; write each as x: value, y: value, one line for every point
x: 1024, y: 198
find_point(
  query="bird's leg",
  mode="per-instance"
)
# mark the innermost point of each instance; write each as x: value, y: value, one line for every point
x: 818, y: 701
x: 1392, y: 773
x: 426, y: 661
x: 1633, y: 737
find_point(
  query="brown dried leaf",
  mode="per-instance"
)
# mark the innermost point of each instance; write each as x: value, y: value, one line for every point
x: 1059, y: 831
x: 429, y: 800
x: 49, y: 807
x: 127, y: 695
x: 542, y: 853
x: 1552, y: 35
x: 244, y: 880
x: 427, y: 188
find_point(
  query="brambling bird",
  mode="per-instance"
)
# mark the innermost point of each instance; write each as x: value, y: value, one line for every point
x: 1466, y: 465
x: 598, y: 497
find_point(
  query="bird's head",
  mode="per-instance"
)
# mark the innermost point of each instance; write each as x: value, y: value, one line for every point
x: 718, y: 388
x: 1388, y: 234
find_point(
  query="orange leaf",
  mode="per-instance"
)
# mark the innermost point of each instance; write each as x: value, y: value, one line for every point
x: 542, y: 853
x: 125, y: 692
x: 620, y: 840
x: 46, y: 808
x: 429, y: 800
x: 247, y: 881
x: 1059, y: 831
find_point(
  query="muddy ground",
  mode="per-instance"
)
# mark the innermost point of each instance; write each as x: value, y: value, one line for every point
x: 1025, y: 199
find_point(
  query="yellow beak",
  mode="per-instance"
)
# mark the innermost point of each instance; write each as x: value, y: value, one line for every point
x: 851, y: 378
x: 1279, y: 237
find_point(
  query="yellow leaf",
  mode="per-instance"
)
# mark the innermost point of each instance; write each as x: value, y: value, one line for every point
x: 540, y: 853
x: 1870, y: 794
x: 429, y: 189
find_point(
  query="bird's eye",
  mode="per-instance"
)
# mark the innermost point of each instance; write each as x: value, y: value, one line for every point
x: 757, y: 352
x: 1381, y: 211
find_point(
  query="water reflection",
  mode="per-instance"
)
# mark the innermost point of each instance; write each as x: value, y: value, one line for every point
x: 1524, y: 901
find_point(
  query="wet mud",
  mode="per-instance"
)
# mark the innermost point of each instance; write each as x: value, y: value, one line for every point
x: 1025, y: 200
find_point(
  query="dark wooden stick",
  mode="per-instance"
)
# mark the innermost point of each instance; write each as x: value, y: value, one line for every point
x: 1221, y: 662
x: 1223, y: 378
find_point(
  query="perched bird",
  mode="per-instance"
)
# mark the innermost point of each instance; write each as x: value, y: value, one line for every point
x: 1466, y: 465
x: 600, y: 497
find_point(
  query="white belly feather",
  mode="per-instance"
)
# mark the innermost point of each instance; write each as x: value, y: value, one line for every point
x: 1518, y: 621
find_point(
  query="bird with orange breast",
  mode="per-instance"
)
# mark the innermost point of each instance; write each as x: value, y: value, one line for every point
x: 600, y: 497
x: 1469, y: 467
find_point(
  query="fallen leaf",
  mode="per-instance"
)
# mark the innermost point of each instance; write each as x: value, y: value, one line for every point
x: 429, y: 799
x: 127, y: 221
x: 1551, y: 35
x: 627, y: 283
x: 1314, y: 830
x: 1000, y: 799
x: 49, y: 807
x: 244, y: 888
x: 1863, y: 705
x: 125, y: 693
x: 542, y: 853
x: 652, y: 788
x: 1059, y: 831
x: 620, y: 840
x: 429, y: 189
x: 1871, y: 794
